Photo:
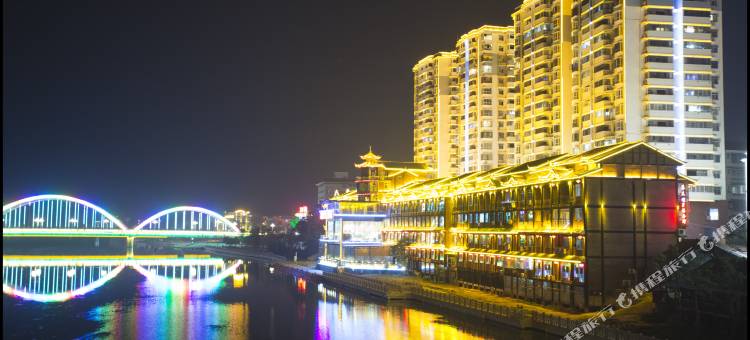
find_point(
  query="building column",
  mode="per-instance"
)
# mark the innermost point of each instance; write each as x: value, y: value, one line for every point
x: 130, y: 244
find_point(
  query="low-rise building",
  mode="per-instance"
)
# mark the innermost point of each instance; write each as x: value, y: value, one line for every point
x: 338, y: 184
x: 570, y: 230
x: 354, y: 220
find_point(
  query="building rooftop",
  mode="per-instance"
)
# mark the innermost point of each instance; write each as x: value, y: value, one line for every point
x: 553, y: 168
x: 370, y: 159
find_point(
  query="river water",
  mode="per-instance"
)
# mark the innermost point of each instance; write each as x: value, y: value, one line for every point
x: 249, y: 300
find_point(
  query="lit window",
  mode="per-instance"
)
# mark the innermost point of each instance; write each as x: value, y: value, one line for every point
x: 713, y: 214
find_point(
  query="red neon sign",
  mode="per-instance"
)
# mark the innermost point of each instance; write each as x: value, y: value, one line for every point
x: 682, y: 202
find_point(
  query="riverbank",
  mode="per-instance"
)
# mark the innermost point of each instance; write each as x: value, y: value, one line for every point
x: 465, y: 300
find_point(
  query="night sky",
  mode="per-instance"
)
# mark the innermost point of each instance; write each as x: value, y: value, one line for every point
x: 140, y: 106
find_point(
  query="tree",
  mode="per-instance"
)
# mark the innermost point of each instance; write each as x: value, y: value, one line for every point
x: 398, y: 251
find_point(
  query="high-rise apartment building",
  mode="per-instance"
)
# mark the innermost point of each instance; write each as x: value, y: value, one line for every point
x: 593, y: 73
x: 464, y: 104
x: 650, y: 70
x: 543, y: 58
x: 436, y: 113
x: 486, y: 86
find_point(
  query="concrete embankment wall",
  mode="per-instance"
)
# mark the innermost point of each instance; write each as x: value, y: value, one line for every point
x: 512, y: 316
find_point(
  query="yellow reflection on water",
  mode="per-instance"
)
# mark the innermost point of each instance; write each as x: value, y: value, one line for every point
x: 349, y: 318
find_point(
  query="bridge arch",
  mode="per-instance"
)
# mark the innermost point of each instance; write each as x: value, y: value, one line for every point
x: 55, y: 281
x: 190, y: 219
x: 58, y: 211
x: 188, y: 274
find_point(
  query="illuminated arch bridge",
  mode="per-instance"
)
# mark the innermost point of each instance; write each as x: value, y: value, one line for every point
x: 66, y: 216
x: 59, y: 278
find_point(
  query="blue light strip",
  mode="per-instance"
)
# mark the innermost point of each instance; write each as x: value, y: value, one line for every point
x: 354, y: 243
x: 360, y: 215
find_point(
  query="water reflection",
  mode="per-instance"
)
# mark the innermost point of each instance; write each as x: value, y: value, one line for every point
x: 340, y: 316
x: 60, y: 278
x: 204, y: 297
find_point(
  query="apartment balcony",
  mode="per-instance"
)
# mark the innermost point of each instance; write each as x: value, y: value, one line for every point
x: 699, y: 115
x: 701, y: 52
x: 656, y: 17
x: 659, y: 34
x: 700, y: 163
x: 541, y: 84
x: 706, y: 132
x: 695, y: 20
x: 700, y: 147
x: 542, y: 149
x: 664, y: 147
x: 696, y: 4
x: 542, y: 135
x: 600, y: 43
x: 544, y: 123
x: 703, y: 196
x: 659, y: 49
x: 659, y: 113
x: 601, y: 74
x: 694, y: 67
x: 604, y: 58
x: 697, y: 83
x: 544, y: 96
x: 659, y: 98
x: 600, y: 28
x: 701, y: 100
x: 603, y: 134
x: 540, y: 71
x: 541, y: 57
x: 667, y: 67
x: 602, y: 89
x: 696, y: 36
x: 659, y: 130
x: 657, y: 2
x: 540, y: 21
x: 658, y: 81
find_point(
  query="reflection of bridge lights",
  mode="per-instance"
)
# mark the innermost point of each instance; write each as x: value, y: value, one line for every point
x: 104, y: 272
x: 71, y: 272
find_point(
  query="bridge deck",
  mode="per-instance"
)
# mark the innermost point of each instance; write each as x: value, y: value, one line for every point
x: 88, y: 260
x: 44, y: 232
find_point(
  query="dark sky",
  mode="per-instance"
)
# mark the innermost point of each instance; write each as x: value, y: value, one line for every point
x: 140, y: 106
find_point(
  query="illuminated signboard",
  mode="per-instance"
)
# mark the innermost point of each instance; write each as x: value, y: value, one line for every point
x: 682, y: 201
x: 302, y: 212
x: 326, y: 214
